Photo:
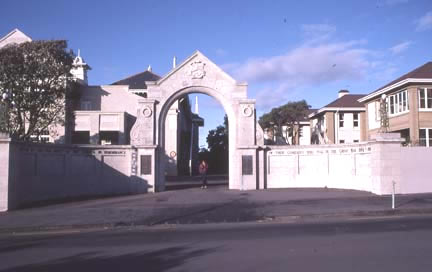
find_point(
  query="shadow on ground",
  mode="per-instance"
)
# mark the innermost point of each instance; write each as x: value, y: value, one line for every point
x: 158, y: 260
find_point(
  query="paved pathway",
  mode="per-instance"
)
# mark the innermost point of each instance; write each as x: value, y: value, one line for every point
x: 213, y: 205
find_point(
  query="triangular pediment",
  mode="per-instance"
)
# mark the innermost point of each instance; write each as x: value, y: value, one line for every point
x: 197, y: 67
x: 15, y: 36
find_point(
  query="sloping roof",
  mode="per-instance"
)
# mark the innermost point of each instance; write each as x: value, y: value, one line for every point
x: 306, y: 117
x: 347, y: 101
x: 137, y: 81
x: 424, y: 71
x: 15, y: 36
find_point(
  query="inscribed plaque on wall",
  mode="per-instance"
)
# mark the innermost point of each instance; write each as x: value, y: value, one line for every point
x: 247, y: 165
x: 146, y: 165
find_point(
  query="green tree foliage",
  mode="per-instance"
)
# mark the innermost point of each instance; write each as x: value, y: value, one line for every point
x: 34, y: 82
x: 217, y: 153
x: 288, y: 115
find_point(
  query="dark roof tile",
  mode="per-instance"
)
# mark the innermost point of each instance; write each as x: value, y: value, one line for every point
x: 137, y: 81
x: 347, y: 101
x: 424, y: 71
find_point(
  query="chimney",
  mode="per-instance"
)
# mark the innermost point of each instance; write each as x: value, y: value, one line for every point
x: 342, y: 93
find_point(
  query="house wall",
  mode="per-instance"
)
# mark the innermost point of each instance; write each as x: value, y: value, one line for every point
x: 330, y: 126
x: 348, y: 132
x: 44, y: 172
x: 413, y: 120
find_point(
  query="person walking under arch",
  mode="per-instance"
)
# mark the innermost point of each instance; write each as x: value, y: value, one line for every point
x: 203, y: 167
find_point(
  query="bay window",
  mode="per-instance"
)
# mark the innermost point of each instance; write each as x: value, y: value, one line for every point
x: 398, y: 103
x: 425, y: 98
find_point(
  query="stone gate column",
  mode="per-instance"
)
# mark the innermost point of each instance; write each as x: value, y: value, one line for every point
x: 143, y: 137
x: 246, y: 172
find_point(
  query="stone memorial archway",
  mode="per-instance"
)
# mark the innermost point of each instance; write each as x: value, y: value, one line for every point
x: 197, y: 74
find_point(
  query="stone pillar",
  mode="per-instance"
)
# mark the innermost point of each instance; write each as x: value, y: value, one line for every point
x: 143, y: 131
x: 4, y: 173
x: 386, y: 162
x: 142, y: 137
x: 246, y: 177
x: 413, y: 115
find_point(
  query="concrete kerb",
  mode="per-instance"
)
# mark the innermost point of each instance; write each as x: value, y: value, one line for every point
x: 281, y: 220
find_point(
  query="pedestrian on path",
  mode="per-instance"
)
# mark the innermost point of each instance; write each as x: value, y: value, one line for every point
x: 203, y: 167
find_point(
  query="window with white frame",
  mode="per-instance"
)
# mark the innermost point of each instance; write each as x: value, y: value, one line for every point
x: 425, y: 98
x: 398, y: 103
x: 341, y: 120
x: 425, y: 136
x: 355, y: 120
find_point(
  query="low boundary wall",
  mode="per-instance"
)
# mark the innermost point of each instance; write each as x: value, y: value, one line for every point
x: 369, y: 166
x: 40, y: 172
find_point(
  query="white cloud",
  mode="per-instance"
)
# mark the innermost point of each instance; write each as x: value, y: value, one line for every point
x: 425, y: 22
x: 315, y: 62
x: 399, y: 48
x: 308, y: 65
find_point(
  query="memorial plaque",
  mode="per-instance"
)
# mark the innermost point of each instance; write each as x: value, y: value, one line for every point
x: 146, y: 164
x: 247, y: 165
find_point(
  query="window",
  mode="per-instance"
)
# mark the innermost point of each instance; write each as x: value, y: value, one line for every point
x: 425, y: 98
x: 341, y: 141
x: 355, y: 119
x: 341, y: 119
x: 356, y: 141
x: 398, y: 103
x: 425, y: 137
x: 86, y: 105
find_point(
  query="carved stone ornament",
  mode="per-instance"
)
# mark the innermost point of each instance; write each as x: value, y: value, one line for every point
x: 247, y: 111
x: 139, y: 134
x: 196, y: 70
x: 147, y: 112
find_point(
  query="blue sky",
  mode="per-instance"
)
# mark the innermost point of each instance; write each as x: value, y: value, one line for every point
x: 285, y: 50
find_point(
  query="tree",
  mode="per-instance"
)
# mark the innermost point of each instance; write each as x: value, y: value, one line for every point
x: 288, y: 115
x: 217, y: 152
x: 34, y: 82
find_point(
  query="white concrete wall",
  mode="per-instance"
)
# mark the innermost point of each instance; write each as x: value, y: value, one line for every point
x: 41, y: 172
x: 332, y: 166
x: 416, y: 176
x: 370, y: 166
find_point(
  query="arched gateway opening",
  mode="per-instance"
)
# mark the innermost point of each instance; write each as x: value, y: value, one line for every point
x: 175, y: 165
x: 198, y: 74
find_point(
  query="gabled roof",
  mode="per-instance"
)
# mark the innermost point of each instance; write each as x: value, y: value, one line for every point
x: 347, y: 101
x: 15, y: 36
x: 419, y: 74
x: 137, y: 81
x: 306, y: 117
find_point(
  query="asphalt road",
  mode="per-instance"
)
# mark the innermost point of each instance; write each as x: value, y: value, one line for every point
x: 397, y: 244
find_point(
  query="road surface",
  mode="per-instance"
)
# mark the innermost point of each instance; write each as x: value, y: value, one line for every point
x: 395, y: 244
